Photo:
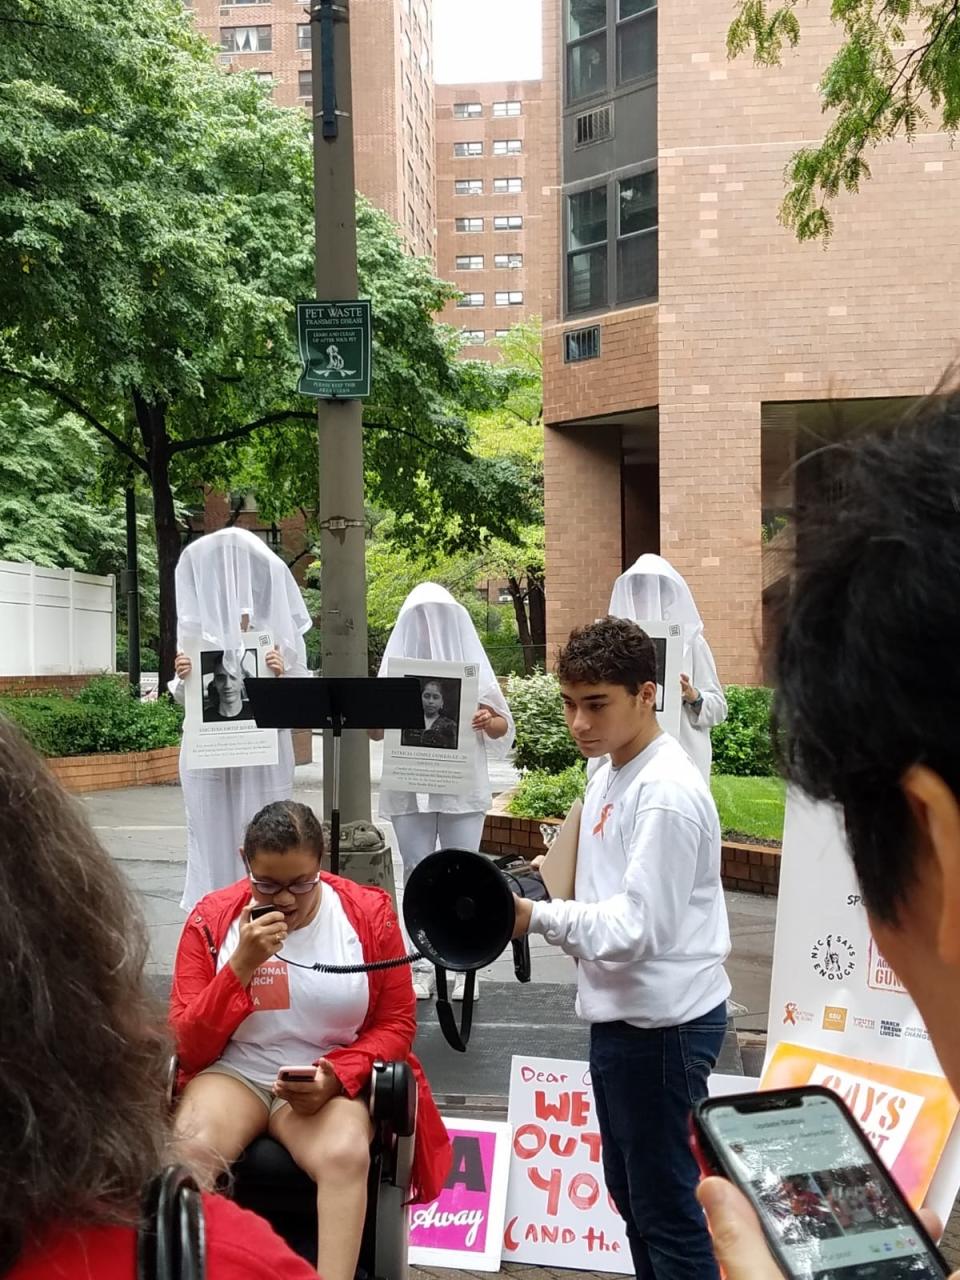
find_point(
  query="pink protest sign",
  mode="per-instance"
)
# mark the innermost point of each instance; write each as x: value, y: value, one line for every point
x: 464, y: 1225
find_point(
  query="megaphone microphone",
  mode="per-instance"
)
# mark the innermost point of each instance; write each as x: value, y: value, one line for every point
x: 458, y: 908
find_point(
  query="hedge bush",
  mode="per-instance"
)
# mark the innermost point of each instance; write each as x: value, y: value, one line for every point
x: 543, y: 740
x: 548, y: 795
x: 103, y: 717
x: 743, y: 744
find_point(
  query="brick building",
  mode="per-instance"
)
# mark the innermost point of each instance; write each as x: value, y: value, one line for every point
x: 392, y: 63
x: 693, y: 350
x: 489, y: 200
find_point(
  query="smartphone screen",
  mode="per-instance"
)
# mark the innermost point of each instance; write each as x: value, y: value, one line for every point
x: 828, y: 1206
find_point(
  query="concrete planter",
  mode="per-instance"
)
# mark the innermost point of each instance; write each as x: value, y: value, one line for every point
x: 109, y: 772
x: 746, y: 867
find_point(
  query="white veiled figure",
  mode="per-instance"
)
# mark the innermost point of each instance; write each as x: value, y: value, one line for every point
x: 230, y: 582
x: 652, y: 590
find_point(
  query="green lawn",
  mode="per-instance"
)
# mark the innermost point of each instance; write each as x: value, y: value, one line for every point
x: 750, y: 806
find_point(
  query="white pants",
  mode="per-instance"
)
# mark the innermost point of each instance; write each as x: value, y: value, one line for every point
x: 420, y: 834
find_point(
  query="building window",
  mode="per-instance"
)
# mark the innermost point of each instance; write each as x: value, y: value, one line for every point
x: 637, y: 237
x: 587, y: 249
x: 509, y: 260
x: 263, y: 77
x: 468, y: 187
x: 511, y: 222
x: 473, y: 337
x: 636, y: 40
x: 501, y: 333
x: 468, y: 148
x: 507, y: 186
x: 303, y: 35
x: 246, y: 39
x: 467, y: 110
x: 586, y: 48
x: 506, y: 108
x: 507, y: 147
x: 581, y: 344
x: 471, y: 300
x: 513, y: 298
x: 469, y: 224
x: 470, y: 262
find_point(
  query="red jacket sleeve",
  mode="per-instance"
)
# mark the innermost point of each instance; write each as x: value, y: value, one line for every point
x: 206, y: 1007
x: 390, y: 1026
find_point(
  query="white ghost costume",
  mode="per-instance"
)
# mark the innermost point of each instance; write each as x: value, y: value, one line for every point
x: 224, y: 578
x: 652, y: 590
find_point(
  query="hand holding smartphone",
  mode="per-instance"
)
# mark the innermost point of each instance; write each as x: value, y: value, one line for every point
x: 828, y: 1207
x: 297, y: 1075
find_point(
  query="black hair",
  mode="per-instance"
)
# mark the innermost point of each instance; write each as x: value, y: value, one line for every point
x: 282, y: 826
x: 867, y: 661
x: 608, y: 651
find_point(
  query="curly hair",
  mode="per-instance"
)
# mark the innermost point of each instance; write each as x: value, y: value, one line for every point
x: 83, y: 1048
x: 867, y: 658
x: 283, y: 825
x: 608, y: 651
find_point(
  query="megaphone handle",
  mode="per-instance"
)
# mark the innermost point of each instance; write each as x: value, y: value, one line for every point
x: 456, y: 1037
x: 522, y: 966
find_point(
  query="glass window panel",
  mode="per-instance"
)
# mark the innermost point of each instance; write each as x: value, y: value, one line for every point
x: 637, y: 48
x: 638, y: 203
x: 587, y: 67
x: 584, y: 17
x: 587, y: 218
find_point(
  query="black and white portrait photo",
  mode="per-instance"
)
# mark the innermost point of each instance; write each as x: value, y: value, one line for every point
x: 224, y: 695
x: 440, y: 700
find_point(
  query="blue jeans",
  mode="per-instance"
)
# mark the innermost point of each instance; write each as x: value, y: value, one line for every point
x: 645, y: 1084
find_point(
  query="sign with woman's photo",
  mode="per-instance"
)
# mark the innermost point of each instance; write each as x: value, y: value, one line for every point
x: 667, y: 640
x: 218, y: 728
x: 438, y: 756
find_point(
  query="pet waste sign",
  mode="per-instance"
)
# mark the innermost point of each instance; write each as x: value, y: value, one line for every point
x: 334, y: 342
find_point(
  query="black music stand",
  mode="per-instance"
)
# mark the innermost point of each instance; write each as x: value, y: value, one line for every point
x: 349, y: 702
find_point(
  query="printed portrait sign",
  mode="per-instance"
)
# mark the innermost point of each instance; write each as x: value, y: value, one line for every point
x: 667, y: 640
x: 463, y: 1227
x: 839, y: 1016
x: 439, y: 756
x: 219, y: 730
x: 559, y: 1213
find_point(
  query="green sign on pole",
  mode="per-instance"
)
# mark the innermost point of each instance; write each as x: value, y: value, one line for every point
x: 334, y: 341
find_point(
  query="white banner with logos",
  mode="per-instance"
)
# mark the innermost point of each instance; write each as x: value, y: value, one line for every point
x: 840, y: 1017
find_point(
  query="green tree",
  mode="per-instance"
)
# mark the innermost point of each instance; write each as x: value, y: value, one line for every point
x: 156, y: 228
x: 898, y: 64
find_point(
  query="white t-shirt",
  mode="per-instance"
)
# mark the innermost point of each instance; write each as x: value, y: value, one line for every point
x: 649, y: 924
x: 301, y: 1014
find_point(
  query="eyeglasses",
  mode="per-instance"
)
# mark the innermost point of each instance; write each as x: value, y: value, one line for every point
x: 270, y: 889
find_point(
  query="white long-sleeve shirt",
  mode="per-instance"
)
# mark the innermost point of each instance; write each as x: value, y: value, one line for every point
x: 649, y: 924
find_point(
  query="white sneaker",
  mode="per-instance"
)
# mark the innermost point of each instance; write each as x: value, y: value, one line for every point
x: 423, y: 983
x: 460, y: 982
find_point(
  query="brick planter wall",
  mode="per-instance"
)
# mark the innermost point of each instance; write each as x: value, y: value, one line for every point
x: 302, y: 746
x: 749, y: 868
x: 109, y: 772
x: 18, y: 686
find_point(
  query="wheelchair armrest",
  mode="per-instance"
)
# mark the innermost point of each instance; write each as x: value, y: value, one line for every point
x: 393, y: 1098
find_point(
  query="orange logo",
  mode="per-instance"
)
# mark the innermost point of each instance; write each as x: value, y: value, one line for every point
x: 834, y: 1018
x: 605, y: 813
x: 790, y: 1013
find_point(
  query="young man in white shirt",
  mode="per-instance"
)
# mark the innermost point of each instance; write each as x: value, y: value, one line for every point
x: 649, y: 929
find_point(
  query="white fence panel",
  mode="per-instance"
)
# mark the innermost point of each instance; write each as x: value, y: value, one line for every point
x: 56, y: 621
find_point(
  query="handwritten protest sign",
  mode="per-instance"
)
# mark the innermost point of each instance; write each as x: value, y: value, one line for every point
x: 463, y: 1227
x: 559, y: 1212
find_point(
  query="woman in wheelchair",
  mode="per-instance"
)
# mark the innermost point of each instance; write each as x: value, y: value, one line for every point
x: 247, y: 1017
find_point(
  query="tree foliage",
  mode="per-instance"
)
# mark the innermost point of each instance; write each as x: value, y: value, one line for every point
x: 897, y: 66
x: 156, y: 230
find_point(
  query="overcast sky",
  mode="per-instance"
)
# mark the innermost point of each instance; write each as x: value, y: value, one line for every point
x: 486, y: 40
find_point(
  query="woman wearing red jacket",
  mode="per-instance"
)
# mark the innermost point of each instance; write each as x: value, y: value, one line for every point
x: 246, y: 1004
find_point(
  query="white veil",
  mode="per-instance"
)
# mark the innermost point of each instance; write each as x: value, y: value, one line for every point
x: 431, y: 624
x: 652, y: 590
x: 229, y: 574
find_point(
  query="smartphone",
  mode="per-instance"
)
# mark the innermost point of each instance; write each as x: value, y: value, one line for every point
x: 829, y: 1208
x: 297, y: 1075
x: 257, y: 912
